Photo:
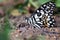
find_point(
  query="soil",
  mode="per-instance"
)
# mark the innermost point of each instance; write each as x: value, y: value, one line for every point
x: 25, y: 31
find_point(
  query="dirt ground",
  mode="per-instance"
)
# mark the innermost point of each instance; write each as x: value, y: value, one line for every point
x: 23, y: 31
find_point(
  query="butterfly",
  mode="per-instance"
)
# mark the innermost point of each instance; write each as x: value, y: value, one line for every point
x: 43, y: 16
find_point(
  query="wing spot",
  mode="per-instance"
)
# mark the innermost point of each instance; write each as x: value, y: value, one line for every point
x: 37, y: 10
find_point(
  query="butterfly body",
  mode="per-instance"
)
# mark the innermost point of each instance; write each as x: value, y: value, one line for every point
x: 43, y: 15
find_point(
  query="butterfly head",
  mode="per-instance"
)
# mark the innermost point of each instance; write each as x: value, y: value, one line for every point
x: 28, y: 20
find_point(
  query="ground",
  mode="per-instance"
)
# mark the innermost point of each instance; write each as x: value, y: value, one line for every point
x: 23, y: 31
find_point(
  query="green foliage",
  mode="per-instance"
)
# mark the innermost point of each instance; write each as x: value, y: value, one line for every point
x: 6, y: 29
x: 57, y: 3
x: 21, y: 8
x: 1, y: 0
x: 34, y: 3
x: 37, y: 3
x: 43, y: 1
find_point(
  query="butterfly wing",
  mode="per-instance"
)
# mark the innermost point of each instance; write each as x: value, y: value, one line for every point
x: 38, y: 17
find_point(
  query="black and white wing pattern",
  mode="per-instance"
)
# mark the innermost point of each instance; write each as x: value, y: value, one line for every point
x: 43, y: 15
